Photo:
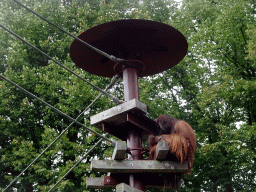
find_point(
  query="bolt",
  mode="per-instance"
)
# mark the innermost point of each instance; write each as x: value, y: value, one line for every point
x: 149, y: 164
x: 131, y: 164
x: 108, y: 181
x: 166, y: 165
x: 119, y: 109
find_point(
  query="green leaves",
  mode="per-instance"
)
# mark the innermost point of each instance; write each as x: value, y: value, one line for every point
x: 218, y: 42
x: 212, y: 88
x: 27, y: 126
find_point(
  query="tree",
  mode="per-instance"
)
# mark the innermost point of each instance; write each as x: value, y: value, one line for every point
x: 218, y: 36
x: 212, y: 88
x: 27, y: 126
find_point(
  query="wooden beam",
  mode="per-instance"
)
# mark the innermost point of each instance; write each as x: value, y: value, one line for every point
x: 119, y: 151
x: 162, y: 150
x: 95, y: 183
x: 138, y: 166
x: 144, y: 123
x: 100, y: 182
x: 117, y: 115
x: 122, y: 187
x: 149, y: 180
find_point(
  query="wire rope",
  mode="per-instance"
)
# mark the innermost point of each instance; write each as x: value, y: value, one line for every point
x: 108, y: 87
x: 75, y: 165
x: 111, y: 57
x: 57, y: 110
x: 115, y: 99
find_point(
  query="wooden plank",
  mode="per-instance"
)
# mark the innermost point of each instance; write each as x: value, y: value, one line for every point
x: 95, y: 183
x: 122, y: 187
x: 162, y: 150
x: 144, y: 123
x: 138, y: 166
x: 119, y: 151
x: 100, y: 182
x: 117, y: 115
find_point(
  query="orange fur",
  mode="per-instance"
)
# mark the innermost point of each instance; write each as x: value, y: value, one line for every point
x: 180, y: 137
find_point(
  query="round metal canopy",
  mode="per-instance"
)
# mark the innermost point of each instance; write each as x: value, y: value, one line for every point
x: 157, y: 45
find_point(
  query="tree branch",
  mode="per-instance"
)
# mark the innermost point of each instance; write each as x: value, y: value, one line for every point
x: 241, y: 29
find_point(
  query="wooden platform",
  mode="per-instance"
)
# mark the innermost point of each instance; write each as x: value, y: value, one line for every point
x: 119, y: 120
x: 149, y: 180
x: 158, y: 173
x: 138, y: 166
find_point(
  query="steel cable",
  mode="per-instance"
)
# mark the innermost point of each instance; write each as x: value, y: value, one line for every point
x: 75, y: 165
x: 56, y: 110
x: 108, y: 86
x: 115, y: 99
x: 111, y: 57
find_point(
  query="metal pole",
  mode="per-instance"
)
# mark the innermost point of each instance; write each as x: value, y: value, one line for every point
x: 130, y: 78
x: 134, y: 139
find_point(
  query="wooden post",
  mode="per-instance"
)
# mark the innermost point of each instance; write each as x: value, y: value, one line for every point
x: 126, y: 188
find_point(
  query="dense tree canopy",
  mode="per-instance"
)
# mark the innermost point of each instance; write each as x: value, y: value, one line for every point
x: 213, y: 89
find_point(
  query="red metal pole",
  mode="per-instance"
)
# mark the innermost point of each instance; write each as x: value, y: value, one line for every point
x: 130, y: 78
x: 134, y: 139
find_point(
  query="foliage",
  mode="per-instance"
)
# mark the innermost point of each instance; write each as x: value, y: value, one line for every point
x: 213, y: 89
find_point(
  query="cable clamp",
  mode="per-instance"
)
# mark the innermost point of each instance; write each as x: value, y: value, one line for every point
x: 116, y: 60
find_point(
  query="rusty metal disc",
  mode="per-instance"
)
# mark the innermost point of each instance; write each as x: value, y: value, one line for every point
x: 157, y: 45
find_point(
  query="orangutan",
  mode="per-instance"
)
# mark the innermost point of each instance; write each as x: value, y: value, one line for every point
x: 180, y: 137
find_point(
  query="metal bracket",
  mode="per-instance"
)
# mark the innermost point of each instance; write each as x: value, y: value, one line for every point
x: 109, y: 181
